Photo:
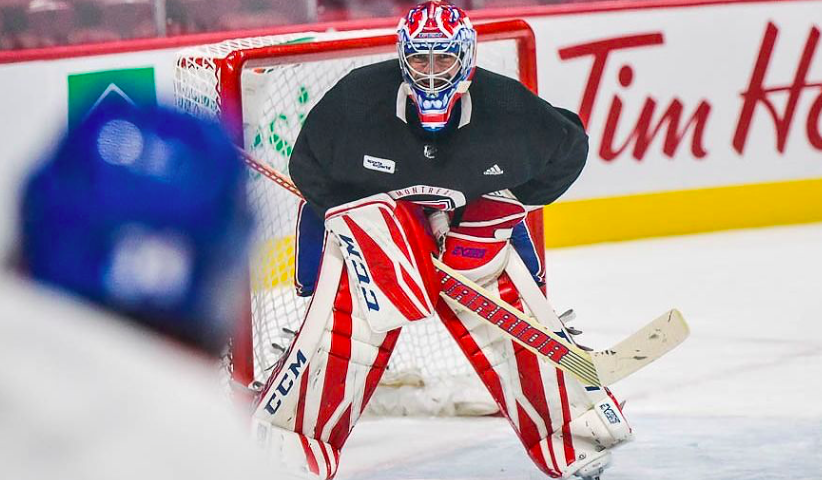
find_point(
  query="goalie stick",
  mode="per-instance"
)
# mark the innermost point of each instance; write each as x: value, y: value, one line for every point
x: 596, y: 368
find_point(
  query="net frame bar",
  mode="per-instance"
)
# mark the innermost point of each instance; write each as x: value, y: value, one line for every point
x: 231, y: 67
x: 229, y: 71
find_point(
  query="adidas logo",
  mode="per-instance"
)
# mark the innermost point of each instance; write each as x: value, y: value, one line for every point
x: 495, y: 170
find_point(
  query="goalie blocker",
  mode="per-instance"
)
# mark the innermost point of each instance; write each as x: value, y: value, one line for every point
x: 376, y: 277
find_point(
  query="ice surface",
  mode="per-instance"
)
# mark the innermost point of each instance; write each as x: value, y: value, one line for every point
x: 666, y: 447
x: 739, y: 400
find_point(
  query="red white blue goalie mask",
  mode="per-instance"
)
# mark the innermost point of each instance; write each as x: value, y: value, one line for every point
x: 437, y: 50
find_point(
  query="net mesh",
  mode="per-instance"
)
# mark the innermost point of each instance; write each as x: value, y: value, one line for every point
x: 277, y: 94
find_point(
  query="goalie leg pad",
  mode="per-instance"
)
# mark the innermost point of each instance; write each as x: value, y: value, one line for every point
x: 563, y: 425
x: 320, y: 387
x: 381, y: 248
x: 295, y: 454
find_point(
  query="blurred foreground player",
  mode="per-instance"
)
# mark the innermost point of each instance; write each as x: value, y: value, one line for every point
x: 140, y: 217
x: 401, y: 163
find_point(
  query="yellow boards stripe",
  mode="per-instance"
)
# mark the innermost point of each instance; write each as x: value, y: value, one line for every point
x: 682, y: 212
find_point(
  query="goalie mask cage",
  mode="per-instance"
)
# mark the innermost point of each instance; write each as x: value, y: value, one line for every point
x: 261, y: 89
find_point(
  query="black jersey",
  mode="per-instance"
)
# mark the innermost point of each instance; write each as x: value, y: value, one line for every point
x: 364, y: 137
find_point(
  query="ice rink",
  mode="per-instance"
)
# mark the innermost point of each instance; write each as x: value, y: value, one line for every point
x: 739, y: 400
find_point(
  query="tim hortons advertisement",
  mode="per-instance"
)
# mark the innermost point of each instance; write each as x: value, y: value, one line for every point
x: 689, y: 98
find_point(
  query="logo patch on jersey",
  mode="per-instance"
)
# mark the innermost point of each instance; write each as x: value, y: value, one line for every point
x: 495, y: 170
x: 429, y: 151
x: 378, y: 164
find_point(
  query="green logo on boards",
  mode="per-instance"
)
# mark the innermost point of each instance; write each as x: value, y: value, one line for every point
x: 86, y: 91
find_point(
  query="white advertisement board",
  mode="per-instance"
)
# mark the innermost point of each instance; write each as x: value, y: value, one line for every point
x: 674, y: 98
x: 34, y: 111
x: 685, y: 98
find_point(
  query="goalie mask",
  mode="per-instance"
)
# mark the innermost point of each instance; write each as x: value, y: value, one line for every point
x: 437, y: 50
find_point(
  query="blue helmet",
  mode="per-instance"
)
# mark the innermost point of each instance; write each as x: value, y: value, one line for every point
x: 437, y: 51
x: 144, y: 211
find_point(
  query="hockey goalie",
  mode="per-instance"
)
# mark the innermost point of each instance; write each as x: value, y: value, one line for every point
x: 397, y: 165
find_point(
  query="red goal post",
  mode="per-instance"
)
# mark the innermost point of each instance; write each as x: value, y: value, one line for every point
x: 261, y: 89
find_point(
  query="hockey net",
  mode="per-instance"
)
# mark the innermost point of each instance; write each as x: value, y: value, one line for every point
x: 261, y: 89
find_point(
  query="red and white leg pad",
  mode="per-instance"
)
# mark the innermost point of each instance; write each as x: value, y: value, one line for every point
x: 320, y: 387
x: 566, y: 427
x: 563, y: 425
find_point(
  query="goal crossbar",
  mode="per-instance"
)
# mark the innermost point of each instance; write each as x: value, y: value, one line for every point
x: 231, y: 100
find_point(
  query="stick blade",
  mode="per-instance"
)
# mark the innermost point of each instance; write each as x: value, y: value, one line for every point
x: 643, y: 347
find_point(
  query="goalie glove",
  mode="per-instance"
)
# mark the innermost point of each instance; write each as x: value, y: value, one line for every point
x: 475, y: 244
